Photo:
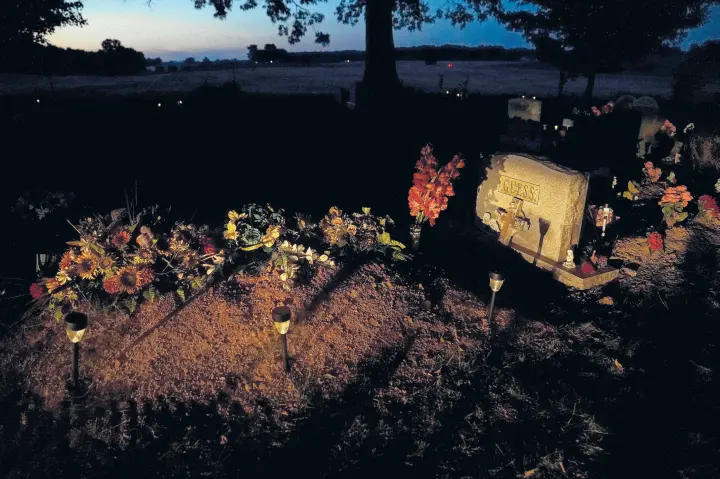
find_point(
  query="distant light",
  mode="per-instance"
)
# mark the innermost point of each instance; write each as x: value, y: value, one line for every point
x: 179, y: 102
x: 159, y: 105
x: 270, y: 61
x: 534, y: 98
x: 556, y: 127
x: 447, y: 92
x: 458, y: 95
x: 523, y: 96
x: 38, y: 100
x: 449, y: 65
x: 347, y: 61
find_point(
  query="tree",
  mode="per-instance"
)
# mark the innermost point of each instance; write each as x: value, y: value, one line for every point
x: 381, y: 17
x: 189, y: 61
x: 25, y: 24
x: 252, y: 53
x: 111, y: 45
x: 206, y: 61
x: 603, y: 35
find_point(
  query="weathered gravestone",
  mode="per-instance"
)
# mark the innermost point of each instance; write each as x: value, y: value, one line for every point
x: 650, y: 119
x: 537, y: 208
x: 525, y: 109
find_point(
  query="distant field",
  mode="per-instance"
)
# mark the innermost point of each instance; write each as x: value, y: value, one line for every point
x: 484, y: 77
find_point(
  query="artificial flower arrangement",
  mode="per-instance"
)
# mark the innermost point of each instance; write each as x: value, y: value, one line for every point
x: 432, y: 187
x: 119, y: 261
x: 360, y: 233
x: 604, y: 110
x: 673, y: 201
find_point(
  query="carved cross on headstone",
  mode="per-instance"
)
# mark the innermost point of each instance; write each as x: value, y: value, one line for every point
x: 512, y: 220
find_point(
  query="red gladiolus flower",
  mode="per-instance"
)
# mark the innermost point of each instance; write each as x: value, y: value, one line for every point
x: 36, y: 291
x: 431, y: 188
x: 655, y: 242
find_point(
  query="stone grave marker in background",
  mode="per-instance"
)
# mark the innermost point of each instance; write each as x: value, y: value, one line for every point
x: 650, y: 119
x: 537, y: 208
x: 525, y: 109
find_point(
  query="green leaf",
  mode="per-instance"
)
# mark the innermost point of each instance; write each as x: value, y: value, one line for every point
x: 131, y: 304
x: 384, y: 238
x: 58, y: 314
x: 97, y: 249
x: 633, y: 188
x: 181, y: 293
x: 132, y: 227
x: 149, y: 294
x: 397, y: 244
x: 681, y: 217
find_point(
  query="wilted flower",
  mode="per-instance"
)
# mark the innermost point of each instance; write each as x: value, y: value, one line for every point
x: 652, y: 173
x: 709, y: 206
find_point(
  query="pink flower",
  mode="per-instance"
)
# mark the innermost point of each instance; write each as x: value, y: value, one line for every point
x: 36, y: 291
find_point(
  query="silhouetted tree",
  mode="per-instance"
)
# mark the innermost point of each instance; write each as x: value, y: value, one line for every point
x: 153, y: 62
x: 381, y: 17
x: 697, y: 70
x: 189, y: 61
x: 25, y: 24
x: 206, y: 61
x: 602, y: 35
x: 252, y: 53
x: 111, y: 45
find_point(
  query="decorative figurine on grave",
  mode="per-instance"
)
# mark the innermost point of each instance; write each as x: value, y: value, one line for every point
x: 569, y: 260
x: 603, y: 217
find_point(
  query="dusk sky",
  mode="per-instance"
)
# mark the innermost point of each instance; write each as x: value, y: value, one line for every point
x: 174, y: 30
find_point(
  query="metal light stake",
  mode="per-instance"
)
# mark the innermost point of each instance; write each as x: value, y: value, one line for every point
x: 496, y: 282
x: 281, y: 318
x: 75, y: 326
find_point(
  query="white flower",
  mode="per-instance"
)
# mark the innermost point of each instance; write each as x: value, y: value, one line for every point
x: 717, y: 186
x: 689, y: 127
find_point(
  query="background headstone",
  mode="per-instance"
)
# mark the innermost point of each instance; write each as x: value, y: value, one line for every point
x: 525, y: 109
x: 553, y: 196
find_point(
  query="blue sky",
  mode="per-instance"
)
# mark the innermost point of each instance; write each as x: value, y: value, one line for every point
x: 174, y: 30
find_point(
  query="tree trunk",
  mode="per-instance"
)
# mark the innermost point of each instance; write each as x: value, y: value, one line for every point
x: 562, y: 82
x: 590, y: 87
x: 380, y: 77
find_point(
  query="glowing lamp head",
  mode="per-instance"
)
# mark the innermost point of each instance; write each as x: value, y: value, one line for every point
x: 534, y: 98
x: 38, y: 100
x: 281, y: 318
x: 496, y: 281
x: 159, y: 105
x: 557, y: 127
x: 180, y: 102
x: 75, y: 326
x: 366, y: 210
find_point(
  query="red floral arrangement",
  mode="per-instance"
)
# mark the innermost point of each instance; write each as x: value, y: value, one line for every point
x: 655, y: 242
x: 587, y: 267
x: 431, y: 188
x: 709, y: 205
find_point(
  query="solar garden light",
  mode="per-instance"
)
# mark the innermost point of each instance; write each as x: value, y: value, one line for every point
x: 281, y: 318
x: 75, y: 326
x: 496, y: 282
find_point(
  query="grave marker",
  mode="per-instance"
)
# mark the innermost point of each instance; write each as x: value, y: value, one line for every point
x: 537, y: 208
x: 525, y: 109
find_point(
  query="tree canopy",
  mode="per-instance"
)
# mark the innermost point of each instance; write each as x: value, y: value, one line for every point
x: 294, y: 18
x: 33, y: 20
x: 602, y: 35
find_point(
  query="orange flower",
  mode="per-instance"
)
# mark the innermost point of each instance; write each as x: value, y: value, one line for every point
x: 87, y: 266
x: 52, y: 284
x: 129, y: 279
x: 676, y: 194
x: 121, y: 238
x: 68, y: 259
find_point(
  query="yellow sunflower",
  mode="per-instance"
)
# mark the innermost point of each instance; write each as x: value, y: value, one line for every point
x: 87, y: 265
x: 129, y: 279
x: 106, y: 264
x: 62, y: 277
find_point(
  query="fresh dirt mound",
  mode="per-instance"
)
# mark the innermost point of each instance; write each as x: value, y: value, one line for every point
x: 225, y: 342
x: 691, y: 255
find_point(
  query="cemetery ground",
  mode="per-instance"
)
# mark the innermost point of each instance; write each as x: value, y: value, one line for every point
x: 396, y: 370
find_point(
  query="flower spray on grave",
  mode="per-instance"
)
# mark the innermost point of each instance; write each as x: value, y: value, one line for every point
x: 673, y: 201
x: 359, y: 234
x: 430, y: 191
